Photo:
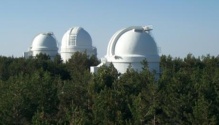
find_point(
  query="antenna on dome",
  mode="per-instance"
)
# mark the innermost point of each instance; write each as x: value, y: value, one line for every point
x: 50, y: 33
x: 47, y: 33
x: 148, y: 28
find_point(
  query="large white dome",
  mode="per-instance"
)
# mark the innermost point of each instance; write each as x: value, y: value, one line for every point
x: 130, y: 46
x: 135, y: 42
x: 132, y: 42
x: 76, y: 40
x: 44, y: 43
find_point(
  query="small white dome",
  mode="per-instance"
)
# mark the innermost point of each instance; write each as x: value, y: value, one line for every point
x: 44, y: 41
x: 76, y: 40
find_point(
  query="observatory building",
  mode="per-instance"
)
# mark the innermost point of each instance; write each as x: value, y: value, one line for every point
x: 43, y: 43
x: 129, y: 47
x: 76, y: 40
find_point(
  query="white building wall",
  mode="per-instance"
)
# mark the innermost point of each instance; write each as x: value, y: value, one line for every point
x: 52, y: 54
x: 27, y: 55
x: 66, y: 56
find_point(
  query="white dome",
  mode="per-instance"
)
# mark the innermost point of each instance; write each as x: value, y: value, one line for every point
x: 45, y: 43
x: 76, y: 36
x: 76, y: 40
x: 130, y: 46
x: 135, y: 43
x: 132, y: 41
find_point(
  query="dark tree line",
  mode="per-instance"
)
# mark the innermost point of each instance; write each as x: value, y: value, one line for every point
x: 41, y: 91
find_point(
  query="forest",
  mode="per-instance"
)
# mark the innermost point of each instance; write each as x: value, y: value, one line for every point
x: 40, y: 91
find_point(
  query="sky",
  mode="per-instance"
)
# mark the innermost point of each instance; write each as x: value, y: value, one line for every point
x: 180, y: 27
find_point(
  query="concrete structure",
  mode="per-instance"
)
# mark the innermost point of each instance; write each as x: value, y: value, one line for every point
x: 130, y: 46
x: 43, y: 43
x: 76, y: 40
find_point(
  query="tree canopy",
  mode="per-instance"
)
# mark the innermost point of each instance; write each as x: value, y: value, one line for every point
x: 43, y: 91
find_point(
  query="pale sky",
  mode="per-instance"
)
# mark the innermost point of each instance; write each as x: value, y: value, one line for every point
x: 179, y: 26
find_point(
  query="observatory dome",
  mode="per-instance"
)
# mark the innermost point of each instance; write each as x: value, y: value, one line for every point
x: 76, y: 40
x: 129, y: 47
x: 44, y: 43
x: 134, y: 43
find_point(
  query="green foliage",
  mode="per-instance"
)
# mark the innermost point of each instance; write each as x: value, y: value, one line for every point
x: 43, y: 91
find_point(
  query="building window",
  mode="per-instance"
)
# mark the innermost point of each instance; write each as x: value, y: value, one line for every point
x: 72, y: 40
